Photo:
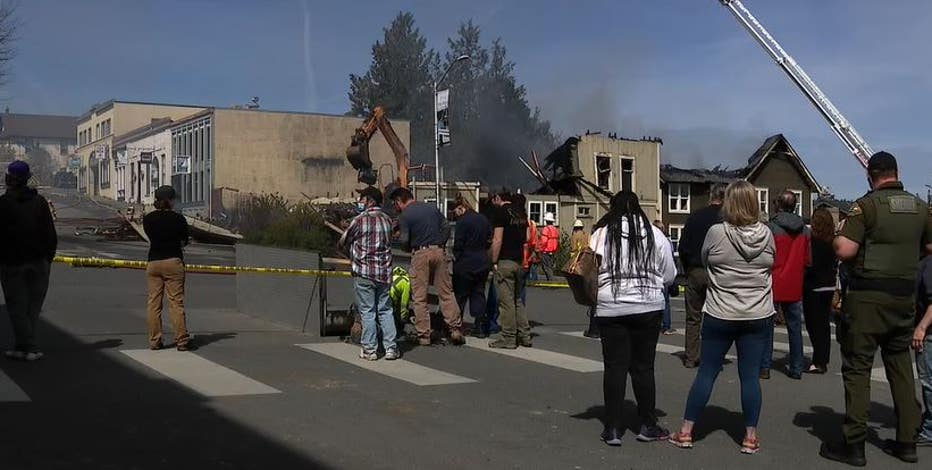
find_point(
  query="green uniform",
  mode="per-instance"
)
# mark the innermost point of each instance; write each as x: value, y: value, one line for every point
x: 892, y: 228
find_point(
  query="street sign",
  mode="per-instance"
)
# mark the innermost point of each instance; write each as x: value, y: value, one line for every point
x: 145, y: 157
x: 182, y: 165
x: 100, y: 153
x: 443, y: 117
x: 121, y: 158
x: 74, y: 163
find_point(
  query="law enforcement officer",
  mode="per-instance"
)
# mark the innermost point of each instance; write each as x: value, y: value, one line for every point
x: 881, y: 242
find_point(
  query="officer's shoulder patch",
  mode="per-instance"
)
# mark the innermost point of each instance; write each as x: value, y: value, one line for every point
x: 903, y: 204
x: 855, y: 210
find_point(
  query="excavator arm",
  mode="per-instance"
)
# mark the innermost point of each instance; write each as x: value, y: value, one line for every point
x: 358, y: 151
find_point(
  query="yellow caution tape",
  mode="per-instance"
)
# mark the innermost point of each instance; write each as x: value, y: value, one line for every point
x: 76, y: 262
x: 195, y: 268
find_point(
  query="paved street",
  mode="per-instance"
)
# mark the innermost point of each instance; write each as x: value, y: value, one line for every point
x: 257, y: 396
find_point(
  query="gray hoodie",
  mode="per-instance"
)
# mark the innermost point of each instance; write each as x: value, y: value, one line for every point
x: 739, y: 260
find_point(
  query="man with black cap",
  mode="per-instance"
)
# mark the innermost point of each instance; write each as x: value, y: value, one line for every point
x: 425, y: 231
x: 27, y: 247
x: 886, y: 232
x: 168, y: 233
x: 369, y: 240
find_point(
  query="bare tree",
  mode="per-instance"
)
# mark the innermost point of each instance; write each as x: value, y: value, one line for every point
x: 9, y: 25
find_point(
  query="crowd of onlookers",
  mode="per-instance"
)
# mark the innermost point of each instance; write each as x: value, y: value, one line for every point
x: 740, y: 267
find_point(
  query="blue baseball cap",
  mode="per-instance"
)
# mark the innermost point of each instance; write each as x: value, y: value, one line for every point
x: 19, y: 169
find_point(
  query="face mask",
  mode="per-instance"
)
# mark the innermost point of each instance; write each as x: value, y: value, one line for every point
x: 360, y: 206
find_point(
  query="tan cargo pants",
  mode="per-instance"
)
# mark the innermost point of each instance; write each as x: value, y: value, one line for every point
x: 429, y: 266
x: 166, y: 277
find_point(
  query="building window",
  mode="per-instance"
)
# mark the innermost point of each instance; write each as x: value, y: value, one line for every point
x: 763, y: 199
x: 583, y: 212
x: 678, y: 198
x: 535, y: 211
x: 627, y: 174
x: 603, y: 170
x: 97, y: 131
x: 676, y: 231
x: 798, y: 210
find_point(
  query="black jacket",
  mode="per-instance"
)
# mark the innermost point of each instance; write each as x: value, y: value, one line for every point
x: 471, y: 243
x: 697, y: 226
x: 27, y: 232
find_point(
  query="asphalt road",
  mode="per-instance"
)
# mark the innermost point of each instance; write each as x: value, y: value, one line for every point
x: 249, y: 398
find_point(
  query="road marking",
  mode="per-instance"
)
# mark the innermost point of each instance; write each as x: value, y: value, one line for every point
x: 541, y: 356
x: 777, y: 345
x: 9, y: 391
x: 661, y: 347
x: 199, y: 374
x: 399, y: 369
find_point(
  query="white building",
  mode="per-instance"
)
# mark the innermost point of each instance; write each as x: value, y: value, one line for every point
x: 143, y: 161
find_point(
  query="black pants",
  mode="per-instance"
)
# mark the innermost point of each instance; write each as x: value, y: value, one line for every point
x: 470, y: 286
x: 817, y: 308
x: 629, y: 345
x: 24, y: 287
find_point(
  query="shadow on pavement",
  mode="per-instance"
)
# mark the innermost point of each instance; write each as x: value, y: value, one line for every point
x: 89, y: 410
x: 716, y: 418
x: 825, y: 423
x: 202, y: 340
x: 632, y: 422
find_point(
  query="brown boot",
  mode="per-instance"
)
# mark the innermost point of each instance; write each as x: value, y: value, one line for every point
x: 457, y: 338
x: 423, y: 341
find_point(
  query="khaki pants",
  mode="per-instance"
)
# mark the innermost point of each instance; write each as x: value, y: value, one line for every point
x: 166, y: 277
x: 512, y: 314
x: 429, y: 266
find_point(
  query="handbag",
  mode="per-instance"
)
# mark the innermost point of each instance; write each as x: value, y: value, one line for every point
x: 582, y: 274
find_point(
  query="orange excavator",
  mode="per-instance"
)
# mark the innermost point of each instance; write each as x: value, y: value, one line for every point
x: 358, y: 151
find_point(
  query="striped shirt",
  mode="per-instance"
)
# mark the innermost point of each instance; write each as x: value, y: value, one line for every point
x: 369, y: 237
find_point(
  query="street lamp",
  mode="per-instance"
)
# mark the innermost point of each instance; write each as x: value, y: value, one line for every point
x: 436, y: 139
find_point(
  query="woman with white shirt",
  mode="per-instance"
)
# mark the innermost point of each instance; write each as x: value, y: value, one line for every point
x: 738, y: 254
x: 636, y: 264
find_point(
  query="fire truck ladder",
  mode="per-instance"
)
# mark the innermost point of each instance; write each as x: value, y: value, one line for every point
x: 842, y: 128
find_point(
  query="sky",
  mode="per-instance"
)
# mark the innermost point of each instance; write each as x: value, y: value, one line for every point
x: 681, y: 70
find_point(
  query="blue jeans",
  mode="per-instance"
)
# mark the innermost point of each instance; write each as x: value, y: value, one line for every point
x: 491, y: 310
x: 793, y: 313
x: 375, y: 309
x: 666, y: 320
x: 750, y: 338
x: 924, y: 364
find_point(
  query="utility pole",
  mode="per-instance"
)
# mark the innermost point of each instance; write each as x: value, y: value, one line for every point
x: 437, y: 129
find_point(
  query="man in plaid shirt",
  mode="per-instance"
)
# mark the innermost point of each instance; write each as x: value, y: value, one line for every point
x: 369, y: 240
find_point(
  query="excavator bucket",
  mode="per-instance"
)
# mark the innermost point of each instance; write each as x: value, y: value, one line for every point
x: 358, y: 156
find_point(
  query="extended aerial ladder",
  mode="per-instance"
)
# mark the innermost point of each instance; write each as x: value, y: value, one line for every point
x: 358, y: 151
x: 842, y: 128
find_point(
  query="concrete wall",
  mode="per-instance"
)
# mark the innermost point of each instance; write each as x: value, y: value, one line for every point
x: 289, y: 153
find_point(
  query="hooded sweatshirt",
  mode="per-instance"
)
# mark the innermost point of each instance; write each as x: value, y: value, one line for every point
x: 27, y: 232
x: 739, y: 260
x: 633, y: 293
x: 791, y: 238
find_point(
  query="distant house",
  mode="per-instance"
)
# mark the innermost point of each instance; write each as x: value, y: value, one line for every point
x: 773, y: 168
x: 23, y: 133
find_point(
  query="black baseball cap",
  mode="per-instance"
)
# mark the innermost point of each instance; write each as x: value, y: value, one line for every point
x: 371, y: 192
x: 165, y: 193
x: 881, y: 162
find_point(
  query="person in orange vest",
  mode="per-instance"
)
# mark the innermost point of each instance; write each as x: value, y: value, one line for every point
x: 549, y: 242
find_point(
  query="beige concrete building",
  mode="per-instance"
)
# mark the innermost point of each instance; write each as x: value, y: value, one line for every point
x: 96, y: 130
x: 586, y: 169
x: 230, y: 153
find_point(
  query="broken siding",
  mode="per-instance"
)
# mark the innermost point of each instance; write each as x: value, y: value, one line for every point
x: 646, y: 178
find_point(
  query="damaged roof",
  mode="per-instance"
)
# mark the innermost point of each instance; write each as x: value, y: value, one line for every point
x: 672, y: 174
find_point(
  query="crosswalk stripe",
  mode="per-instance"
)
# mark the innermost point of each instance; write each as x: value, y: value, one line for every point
x: 661, y: 347
x: 201, y: 375
x: 399, y: 369
x: 777, y: 345
x: 541, y: 356
x: 9, y: 391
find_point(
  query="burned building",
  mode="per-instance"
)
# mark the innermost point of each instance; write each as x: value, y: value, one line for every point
x: 578, y: 178
x: 774, y: 167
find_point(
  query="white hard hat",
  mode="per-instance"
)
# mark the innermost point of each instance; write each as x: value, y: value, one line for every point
x: 578, y: 224
x: 548, y: 217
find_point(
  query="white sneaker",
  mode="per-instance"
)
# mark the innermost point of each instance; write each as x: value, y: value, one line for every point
x: 392, y: 354
x: 369, y: 356
x: 33, y: 356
